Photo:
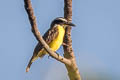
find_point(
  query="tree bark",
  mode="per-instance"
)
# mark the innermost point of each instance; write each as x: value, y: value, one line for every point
x: 73, y: 71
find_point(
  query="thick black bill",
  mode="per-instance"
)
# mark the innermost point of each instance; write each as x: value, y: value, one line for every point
x: 71, y: 24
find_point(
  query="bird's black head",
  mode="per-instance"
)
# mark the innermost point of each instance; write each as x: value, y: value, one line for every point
x: 61, y: 21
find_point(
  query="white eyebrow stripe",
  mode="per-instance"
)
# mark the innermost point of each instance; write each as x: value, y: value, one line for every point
x: 61, y: 19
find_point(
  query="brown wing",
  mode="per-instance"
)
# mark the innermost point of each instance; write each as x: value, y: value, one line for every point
x: 49, y: 36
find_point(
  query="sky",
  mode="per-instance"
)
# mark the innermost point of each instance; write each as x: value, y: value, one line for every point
x: 95, y: 40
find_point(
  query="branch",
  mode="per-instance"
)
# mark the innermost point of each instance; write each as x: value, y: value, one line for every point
x: 32, y: 19
x: 73, y: 71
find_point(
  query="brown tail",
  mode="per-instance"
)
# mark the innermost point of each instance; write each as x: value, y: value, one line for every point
x: 29, y: 65
x: 32, y: 60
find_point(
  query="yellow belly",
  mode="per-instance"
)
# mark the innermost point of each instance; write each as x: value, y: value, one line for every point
x: 56, y: 43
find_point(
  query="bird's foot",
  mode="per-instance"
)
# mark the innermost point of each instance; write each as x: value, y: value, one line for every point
x: 57, y: 54
x: 48, y: 56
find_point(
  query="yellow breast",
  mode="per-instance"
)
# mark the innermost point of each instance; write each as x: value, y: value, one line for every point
x: 56, y: 43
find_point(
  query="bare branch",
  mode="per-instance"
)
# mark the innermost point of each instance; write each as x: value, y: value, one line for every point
x: 73, y: 71
x: 32, y: 19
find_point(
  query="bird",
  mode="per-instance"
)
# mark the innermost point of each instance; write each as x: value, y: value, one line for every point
x: 53, y: 37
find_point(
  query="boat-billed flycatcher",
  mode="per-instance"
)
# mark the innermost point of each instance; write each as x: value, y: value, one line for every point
x: 53, y: 37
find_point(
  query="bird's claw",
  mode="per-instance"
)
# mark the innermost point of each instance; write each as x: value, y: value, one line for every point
x: 48, y: 56
x: 57, y: 54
